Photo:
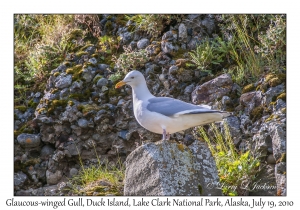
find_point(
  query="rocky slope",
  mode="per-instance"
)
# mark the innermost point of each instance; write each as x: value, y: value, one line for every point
x: 81, y: 112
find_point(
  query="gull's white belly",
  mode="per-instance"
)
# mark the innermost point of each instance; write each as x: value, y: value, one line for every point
x: 156, y: 122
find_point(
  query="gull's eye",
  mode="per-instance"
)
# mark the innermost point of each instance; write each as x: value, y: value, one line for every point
x: 132, y: 77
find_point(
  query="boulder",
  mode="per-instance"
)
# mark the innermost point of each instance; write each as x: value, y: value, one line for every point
x: 168, y: 168
x: 212, y: 90
x: 29, y: 140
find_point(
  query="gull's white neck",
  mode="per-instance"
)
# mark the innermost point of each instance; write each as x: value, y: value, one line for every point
x: 141, y: 92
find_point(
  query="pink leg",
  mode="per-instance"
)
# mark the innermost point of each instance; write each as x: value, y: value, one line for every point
x: 164, y: 134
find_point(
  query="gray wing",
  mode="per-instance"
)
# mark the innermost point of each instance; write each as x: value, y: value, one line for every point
x: 169, y: 107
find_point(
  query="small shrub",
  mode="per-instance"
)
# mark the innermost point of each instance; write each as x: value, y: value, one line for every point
x: 209, y: 53
x: 236, y: 170
x: 131, y: 59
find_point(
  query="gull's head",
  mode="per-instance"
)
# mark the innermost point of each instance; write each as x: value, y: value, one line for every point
x: 133, y: 78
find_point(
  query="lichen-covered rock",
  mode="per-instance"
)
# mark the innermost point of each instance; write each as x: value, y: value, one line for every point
x: 53, y: 178
x: 168, y: 47
x: 46, y: 151
x: 251, y: 100
x: 212, y: 90
x: 182, y: 33
x: 273, y: 92
x: 102, y: 82
x: 278, y: 135
x: 63, y: 81
x: 19, y: 179
x: 169, y: 168
x: 143, y: 43
x: 29, y: 140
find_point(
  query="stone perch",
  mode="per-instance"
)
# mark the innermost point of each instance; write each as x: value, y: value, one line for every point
x: 168, y: 168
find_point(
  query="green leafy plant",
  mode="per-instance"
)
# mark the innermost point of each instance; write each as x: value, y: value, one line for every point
x: 131, y: 59
x: 237, y: 171
x: 153, y: 24
x: 209, y: 53
x: 273, y: 43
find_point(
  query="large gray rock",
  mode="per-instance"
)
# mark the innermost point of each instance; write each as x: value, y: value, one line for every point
x: 143, y: 43
x: 63, y: 81
x: 182, y: 33
x: 29, y: 140
x: 278, y: 135
x: 212, y: 90
x: 169, y: 168
x: 53, y: 178
x: 19, y: 179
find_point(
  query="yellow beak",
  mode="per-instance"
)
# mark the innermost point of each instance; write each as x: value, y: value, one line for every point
x: 120, y: 84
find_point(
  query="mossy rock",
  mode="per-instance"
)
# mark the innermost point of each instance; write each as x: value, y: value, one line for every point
x: 88, y: 107
x: 248, y: 88
x: 274, y: 82
x: 256, y: 113
x: 85, y: 95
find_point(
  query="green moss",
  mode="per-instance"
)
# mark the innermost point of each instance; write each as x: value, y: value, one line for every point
x: 88, y: 107
x: 21, y: 108
x: 70, y: 103
x: 108, y: 27
x: 282, y: 96
x: 89, y: 64
x: 53, y: 91
x: 81, y: 53
x: 95, y: 55
x: 269, y: 77
x: 274, y: 82
x: 180, y: 147
x: 23, y: 129
x: 41, y: 110
x: 113, y: 92
x: 83, y: 96
x: 96, y: 78
x: 273, y: 116
x: 256, y: 113
x: 76, y: 71
x: 121, y: 20
x: 56, y: 74
x: 248, y: 88
x: 67, y: 63
x: 178, y: 54
x: 85, y: 47
x: 32, y: 104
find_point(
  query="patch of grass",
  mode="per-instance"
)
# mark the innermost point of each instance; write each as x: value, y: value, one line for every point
x: 235, y: 169
x: 114, y: 175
